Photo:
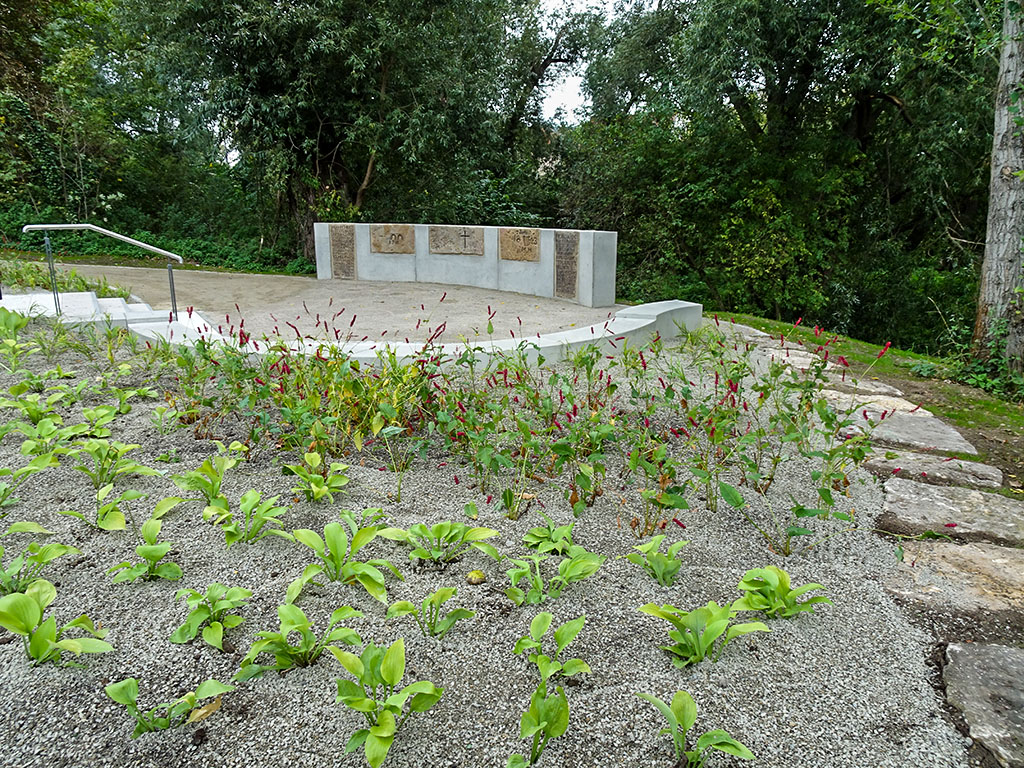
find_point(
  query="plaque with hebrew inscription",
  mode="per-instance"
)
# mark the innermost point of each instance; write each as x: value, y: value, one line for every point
x: 567, y: 256
x: 392, y: 238
x: 517, y: 244
x: 461, y: 241
x: 343, y: 251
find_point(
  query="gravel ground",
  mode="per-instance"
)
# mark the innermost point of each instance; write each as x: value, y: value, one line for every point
x: 846, y: 686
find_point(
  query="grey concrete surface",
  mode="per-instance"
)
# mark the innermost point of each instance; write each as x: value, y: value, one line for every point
x: 351, y: 310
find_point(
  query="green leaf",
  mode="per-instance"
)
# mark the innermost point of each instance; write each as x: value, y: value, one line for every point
x: 125, y: 692
x: 19, y: 613
x: 211, y: 688
x: 540, y: 625
x: 213, y: 634
x: 731, y: 495
x: 566, y: 633
x: 392, y: 668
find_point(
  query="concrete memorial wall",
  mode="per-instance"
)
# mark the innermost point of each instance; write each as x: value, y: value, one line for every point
x: 576, y: 265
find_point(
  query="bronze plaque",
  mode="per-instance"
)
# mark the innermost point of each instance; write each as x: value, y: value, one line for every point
x: 567, y: 255
x: 518, y: 244
x: 461, y: 241
x: 343, y: 251
x: 392, y: 238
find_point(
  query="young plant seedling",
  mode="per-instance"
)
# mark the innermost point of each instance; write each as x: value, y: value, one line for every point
x: 428, y: 615
x: 547, y: 718
x: 576, y: 566
x: 109, y: 515
x: 337, y: 553
x: 306, y: 651
x: 22, y: 614
x: 173, y: 713
x: 317, y: 481
x: 697, y: 631
x: 209, y: 477
x: 151, y: 553
x: 768, y: 590
x: 210, y: 612
x: 663, y: 568
x: 24, y: 569
x: 443, y: 542
x: 549, y: 666
x: 20, y: 475
x: 109, y: 462
x: 550, y: 538
x: 681, y: 714
x: 378, y: 672
x: 255, y: 520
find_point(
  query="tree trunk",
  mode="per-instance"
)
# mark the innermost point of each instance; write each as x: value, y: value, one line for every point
x: 303, y: 205
x: 1001, y: 294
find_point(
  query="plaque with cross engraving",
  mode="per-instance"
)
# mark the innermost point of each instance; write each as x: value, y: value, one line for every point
x: 567, y: 255
x: 519, y: 244
x: 392, y: 238
x: 461, y: 241
x: 343, y: 251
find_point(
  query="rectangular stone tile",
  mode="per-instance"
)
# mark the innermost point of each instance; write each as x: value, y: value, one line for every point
x: 459, y: 241
x: 927, y: 467
x: 519, y: 244
x: 567, y: 258
x: 343, y: 251
x: 392, y: 238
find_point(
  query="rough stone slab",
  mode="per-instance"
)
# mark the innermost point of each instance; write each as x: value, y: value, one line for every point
x: 460, y: 241
x: 960, y: 577
x: 986, y: 683
x: 343, y: 251
x: 797, y: 358
x: 392, y: 238
x: 519, y: 244
x: 874, y: 403
x: 916, y: 507
x: 871, y: 386
x: 910, y: 465
x: 567, y: 259
x: 930, y: 434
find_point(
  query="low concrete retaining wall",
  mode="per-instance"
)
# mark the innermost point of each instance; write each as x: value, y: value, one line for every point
x: 576, y: 265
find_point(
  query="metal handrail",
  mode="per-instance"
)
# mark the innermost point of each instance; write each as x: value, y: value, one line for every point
x: 171, y: 257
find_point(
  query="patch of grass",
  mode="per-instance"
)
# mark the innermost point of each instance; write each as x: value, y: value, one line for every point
x: 115, y: 260
x: 26, y: 275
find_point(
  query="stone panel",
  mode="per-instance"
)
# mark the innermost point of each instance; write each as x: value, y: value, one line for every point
x: 392, y: 238
x: 567, y: 259
x: 519, y: 244
x: 343, y: 251
x: 460, y: 241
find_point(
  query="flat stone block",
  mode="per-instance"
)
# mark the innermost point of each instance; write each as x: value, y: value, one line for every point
x: 666, y: 317
x: 986, y: 683
x: 928, y: 433
x: 960, y: 577
x: 343, y: 251
x: 844, y: 401
x: 910, y: 465
x: 916, y: 507
x: 567, y: 264
x: 392, y: 238
x: 460, y: 241
x: 519, y: 244
x: 846, y: 379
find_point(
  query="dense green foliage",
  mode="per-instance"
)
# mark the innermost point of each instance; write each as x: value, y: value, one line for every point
x: 789, y: 159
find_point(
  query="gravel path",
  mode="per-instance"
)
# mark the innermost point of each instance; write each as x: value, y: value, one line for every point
x: 846, y: 686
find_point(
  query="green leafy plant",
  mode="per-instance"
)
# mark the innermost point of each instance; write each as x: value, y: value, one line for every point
x: 549, y: 666
x: 256, y: 518
x: 97, y: 419
x: 317, y: 481
x: 681, y: 714
x: 17, y: 575
x: 576, y: 566
x: 663, y: 568
x: 20, y: 475
x: 110, y: 461
x: 35, y: 407
x: 151, y: 553
x: 109, y: 515
x: 46, y: 438
x: 337, y: 553
x: 306, y: 651
x: 209, y: 477
x: 550, y: 538
x: 546, y: 718
x: 211, y: 612
x: 172, y: 714
x: 768, y: 590
x: 375, y: 693
x: 428, y: 615
x: 22, y: 614
x: 695, y: 632
x: 443, y: 542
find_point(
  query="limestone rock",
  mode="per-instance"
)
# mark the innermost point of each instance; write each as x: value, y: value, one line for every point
x: 960, y: 578
x: 874, y: 404
x: 927, y: 433
x: 986, y: 682
x: 916, y: 507
x: 910, y: 465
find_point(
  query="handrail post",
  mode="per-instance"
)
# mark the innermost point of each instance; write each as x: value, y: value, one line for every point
x: 53, y: 274
x: 170, y: 281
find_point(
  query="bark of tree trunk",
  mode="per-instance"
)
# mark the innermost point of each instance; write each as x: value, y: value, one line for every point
x: 1001, y: 293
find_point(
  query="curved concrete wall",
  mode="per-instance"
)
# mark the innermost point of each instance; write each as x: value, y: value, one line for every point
x: 576, y: 265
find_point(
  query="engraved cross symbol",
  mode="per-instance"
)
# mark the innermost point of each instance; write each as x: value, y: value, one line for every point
x: 465, y: 237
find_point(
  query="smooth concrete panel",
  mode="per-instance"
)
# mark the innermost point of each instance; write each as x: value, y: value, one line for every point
x: 479, y: 271
x: 396, y: 267
x: 322, y: 239
x: 536, y: 278
x: 604, y: 263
